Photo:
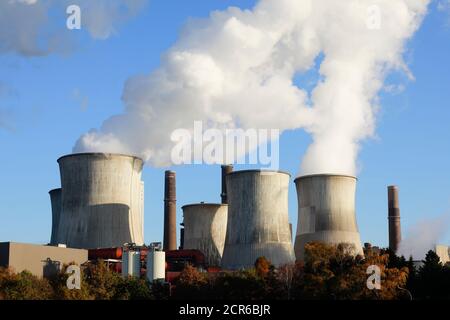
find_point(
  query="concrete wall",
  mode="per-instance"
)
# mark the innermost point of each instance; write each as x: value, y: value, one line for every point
x: 55, y: 198
x: 102, y: 200
x: 37, y: 259
x: 257, y: 219
x: 205, y: 228
x: 326, y: 212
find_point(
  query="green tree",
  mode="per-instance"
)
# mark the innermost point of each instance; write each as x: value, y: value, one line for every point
x: 433, y: 279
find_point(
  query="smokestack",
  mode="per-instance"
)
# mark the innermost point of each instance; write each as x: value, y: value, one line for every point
x: 170, y: 223
x: 395, y: 233
x: 226, y: 169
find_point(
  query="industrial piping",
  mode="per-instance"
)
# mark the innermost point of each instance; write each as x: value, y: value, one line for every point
x: 170, y: 219
x: 326, y: 212
x: 395, y: 233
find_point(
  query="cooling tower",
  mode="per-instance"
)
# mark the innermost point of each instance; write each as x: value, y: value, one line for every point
x: 226, y: 169
x: 326, y: 212
x: 170, y: 217
x: 395, y: 233
x: 257, y: 219
x: 205, y: 228
x: 55, y: 198
x: 102, y: 200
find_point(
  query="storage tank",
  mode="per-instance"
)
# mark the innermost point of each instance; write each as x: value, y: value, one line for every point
x: 257, y: 219
x: 156, y: 265
x: 326, y: 211
x: 55, y: 198
x: 131, y: 263
x: 102, y: 200
x: 205, y: 228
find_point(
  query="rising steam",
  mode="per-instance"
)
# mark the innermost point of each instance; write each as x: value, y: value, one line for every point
x: 424, y: 236
x: 236, y: 69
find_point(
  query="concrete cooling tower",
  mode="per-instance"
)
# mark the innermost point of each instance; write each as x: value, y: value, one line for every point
x: 102, y: 203
x: 205, y: 228
x: 55, y: 198
x: 326, y: 212
x: 257, y: 219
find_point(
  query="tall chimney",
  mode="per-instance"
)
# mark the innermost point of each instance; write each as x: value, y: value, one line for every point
x: 226, y: 169
x: 395, y: 234
x: 170, y: 223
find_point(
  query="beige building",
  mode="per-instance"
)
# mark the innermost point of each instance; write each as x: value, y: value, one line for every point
x: 444, y: 253
x: 40, y: 260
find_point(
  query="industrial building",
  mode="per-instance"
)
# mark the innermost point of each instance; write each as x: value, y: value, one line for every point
x: 326, y: 212
x: 258, y: 224
x: 100, y: 203
x: 443, y: 252
x: 41, y: 261
x: 100, y: 207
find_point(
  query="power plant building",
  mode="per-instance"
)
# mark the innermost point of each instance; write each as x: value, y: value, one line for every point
x: 41, y: 261
x: 326, y: 212
x: 258, y: 224
x: 205, y: 228
x: 101, y: 201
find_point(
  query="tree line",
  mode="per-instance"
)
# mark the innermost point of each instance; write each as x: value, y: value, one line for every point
x: 328, y: 273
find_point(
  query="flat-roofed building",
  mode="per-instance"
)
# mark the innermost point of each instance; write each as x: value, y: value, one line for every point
x: 40, y: 260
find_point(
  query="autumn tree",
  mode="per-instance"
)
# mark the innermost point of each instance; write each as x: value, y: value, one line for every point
x: 262, y: 266
x: 23, y: 286
x: 191, y: 284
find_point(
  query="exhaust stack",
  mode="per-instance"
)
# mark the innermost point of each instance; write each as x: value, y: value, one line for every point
x: 226, y: 169
x: 395, y: 233
x: 170, y: 223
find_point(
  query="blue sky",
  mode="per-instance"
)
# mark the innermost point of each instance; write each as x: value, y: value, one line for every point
x: 47, y: 102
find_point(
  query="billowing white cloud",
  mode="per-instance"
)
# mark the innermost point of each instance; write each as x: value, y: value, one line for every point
x: 26, y: 29
x: 236, y: 69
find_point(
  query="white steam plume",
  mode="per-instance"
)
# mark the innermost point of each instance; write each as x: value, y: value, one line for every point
x: 236, y: 69
x: 424, y: 236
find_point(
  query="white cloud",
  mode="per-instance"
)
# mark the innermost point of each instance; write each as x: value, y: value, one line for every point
x: 236, y: 69
x: 26, y: 28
